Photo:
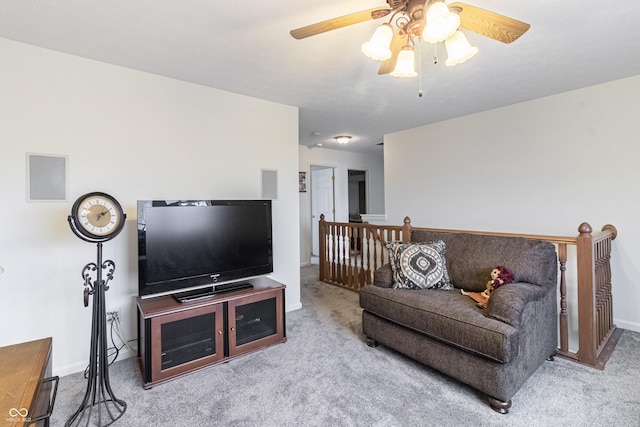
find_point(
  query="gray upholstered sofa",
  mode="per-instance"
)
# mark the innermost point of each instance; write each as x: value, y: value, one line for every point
x: 494, y: 350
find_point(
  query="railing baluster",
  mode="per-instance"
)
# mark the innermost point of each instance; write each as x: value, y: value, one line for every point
x: 333, y: 253
x: 346, y: 258
x: 361, y: 276
x: 339, y: 255
x: 347, y: 255
x: 564, y: 325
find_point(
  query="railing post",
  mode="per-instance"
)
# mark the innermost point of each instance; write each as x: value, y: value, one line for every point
x: 322, y: 247
x: 406, y: 229
x: 586, y: 296
x: 366, y: 262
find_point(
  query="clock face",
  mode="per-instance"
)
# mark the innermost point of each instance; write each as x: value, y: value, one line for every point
x: 98, y: 216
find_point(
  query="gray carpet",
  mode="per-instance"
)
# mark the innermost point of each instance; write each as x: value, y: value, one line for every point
x: 325, y: 375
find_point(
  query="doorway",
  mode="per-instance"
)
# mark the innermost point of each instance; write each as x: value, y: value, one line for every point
x: 322, y: 201
x: 357, y: 194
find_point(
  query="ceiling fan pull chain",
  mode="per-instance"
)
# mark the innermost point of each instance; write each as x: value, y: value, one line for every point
x: 435, y: 53
x: 420, y: 69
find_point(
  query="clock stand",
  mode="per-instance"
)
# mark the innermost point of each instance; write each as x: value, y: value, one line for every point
x: 96, y: 218
x: 99, y: 400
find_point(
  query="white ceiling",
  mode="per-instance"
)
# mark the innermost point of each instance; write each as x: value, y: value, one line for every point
x: 244, y: 46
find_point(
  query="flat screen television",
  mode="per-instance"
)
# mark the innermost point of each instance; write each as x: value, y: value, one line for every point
x: 190, y: 244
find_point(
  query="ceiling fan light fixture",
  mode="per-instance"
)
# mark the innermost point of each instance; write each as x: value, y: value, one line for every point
x: 412, y: 21
x: 459, y: 49
x: 441, y: 23
x: 343, y: 139
x: 405, y: 65
x: 378, y: 46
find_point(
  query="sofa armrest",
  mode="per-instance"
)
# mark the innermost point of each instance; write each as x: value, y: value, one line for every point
x: 508, y: 302
x: 383, y: 276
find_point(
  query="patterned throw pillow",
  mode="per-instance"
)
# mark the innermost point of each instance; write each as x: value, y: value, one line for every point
x: 419, y: 265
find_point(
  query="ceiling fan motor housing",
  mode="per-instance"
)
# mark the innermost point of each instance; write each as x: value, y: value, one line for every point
x: 393, y: 4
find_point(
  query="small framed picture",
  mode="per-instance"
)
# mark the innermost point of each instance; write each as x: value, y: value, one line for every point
x: 302, y: 182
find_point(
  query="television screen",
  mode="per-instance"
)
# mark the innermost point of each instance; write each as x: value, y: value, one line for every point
x: 194, y: 243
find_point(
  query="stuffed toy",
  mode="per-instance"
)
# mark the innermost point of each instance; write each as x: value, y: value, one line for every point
x: 500, y: 275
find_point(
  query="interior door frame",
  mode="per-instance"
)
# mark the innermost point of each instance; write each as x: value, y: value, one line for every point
x: 314, y: 221
x: 366, y: 188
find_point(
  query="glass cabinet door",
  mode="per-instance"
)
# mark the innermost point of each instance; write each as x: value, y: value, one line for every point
x: 188, y: 339
x: 255, y: 322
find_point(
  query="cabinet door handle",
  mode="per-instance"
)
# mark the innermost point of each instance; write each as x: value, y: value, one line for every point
x: 233, y: 329
x: 219, y: 332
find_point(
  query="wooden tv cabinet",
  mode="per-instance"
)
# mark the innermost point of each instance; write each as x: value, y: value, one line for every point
x: 177, y: 338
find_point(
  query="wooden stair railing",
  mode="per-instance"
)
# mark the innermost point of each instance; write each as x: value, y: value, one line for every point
x: 351, y: 252
x: 597, y: 334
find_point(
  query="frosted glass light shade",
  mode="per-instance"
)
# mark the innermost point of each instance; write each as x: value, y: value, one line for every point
x: 343, y: 139
x: 378, y: 46
x: 459, y: 49
x: 441, y: 23
x: 405, y: 64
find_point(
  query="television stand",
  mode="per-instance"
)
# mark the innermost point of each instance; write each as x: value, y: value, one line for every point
x: 203, y: 293
x: 176, y: 338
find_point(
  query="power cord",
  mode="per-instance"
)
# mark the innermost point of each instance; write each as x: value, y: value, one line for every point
x: 114, y: 351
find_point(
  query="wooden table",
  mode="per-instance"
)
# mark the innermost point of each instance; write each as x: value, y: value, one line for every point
x: 26, y: 384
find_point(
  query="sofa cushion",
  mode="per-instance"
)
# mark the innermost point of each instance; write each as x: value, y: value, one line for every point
x: 383, y: 276
x: 447, y: 316
x: 419, y: 265
x: 471, y: 257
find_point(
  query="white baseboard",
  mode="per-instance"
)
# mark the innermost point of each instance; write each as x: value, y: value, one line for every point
x: 627, y: 325
x: 63, y: 371
x: 293, y: 307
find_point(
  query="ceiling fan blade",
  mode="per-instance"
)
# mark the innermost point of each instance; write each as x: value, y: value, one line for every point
x: 398, y: 41
x: 489, y: 24
x: 343, y: 21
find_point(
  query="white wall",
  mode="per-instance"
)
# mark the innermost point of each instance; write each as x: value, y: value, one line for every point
x: 135, y: 136
x: 540, y: 167
x: 342, y: 161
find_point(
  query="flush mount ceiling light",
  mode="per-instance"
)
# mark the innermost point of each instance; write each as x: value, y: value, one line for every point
x: 413, y: 21
x: 343, y: 139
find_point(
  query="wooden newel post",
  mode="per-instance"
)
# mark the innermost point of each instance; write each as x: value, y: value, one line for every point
x: 612, y: 229
x: 322, y: 247
x: 595, y: 301
x: 406, y: 229
x: 586, y: 296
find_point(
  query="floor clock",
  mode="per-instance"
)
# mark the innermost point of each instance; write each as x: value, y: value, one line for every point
x: 96, y: 218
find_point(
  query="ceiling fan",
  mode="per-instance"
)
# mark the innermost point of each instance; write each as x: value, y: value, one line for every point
x: 415, y: 20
